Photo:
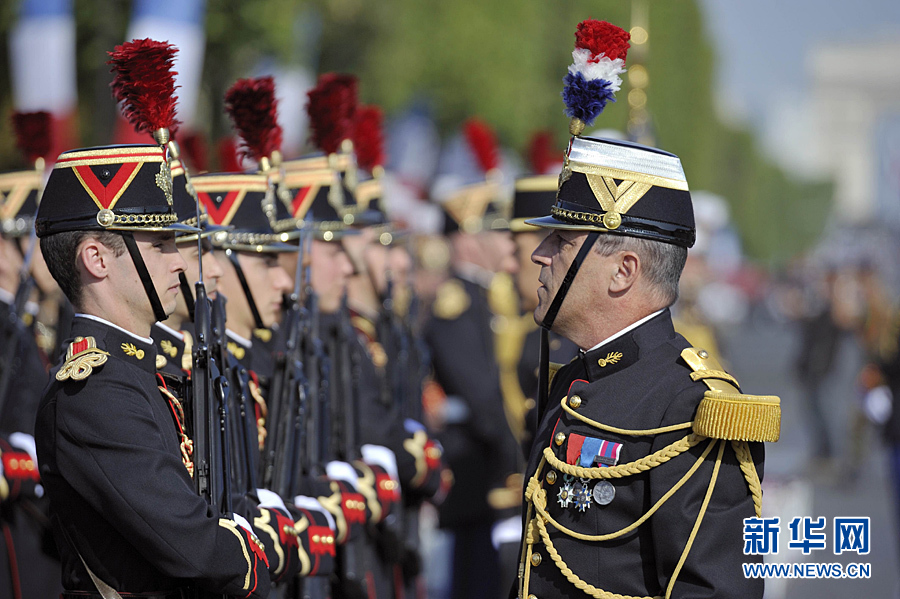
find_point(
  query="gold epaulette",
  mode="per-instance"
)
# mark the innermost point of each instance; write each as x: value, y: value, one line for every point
x: 82, y: 356
x: 451, y: 300
x: 725, y: 412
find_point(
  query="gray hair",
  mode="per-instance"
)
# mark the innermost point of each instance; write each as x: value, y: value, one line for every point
x: 661, y: 263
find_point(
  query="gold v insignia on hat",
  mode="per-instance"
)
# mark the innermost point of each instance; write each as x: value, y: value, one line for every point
x: 617, y: 197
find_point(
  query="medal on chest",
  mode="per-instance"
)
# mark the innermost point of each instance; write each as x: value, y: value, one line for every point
x: 588, y: 452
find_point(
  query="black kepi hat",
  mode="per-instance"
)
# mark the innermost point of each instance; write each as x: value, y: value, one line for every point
x: 115, y: 188
x: 622, y: 188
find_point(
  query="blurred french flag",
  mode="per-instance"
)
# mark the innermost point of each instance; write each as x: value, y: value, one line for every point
x: 42, y: 56
x: 179, y: 22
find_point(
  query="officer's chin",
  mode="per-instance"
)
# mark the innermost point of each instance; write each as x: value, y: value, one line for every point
x: 539, y: 314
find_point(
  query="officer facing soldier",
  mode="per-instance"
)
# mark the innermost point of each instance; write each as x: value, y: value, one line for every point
x: 647, y: 456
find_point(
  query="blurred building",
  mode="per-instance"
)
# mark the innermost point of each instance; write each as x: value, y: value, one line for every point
x: 855, y: 105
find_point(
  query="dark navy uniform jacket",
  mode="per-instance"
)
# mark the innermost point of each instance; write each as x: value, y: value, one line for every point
x: 478, y: 446
x: 637, y: 381
x: 109, y: 456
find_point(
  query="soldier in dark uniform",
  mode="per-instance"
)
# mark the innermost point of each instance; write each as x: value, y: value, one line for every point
x: 534, y: 196
x: 478, y: 445
x: 605, y: 511
x: 384, y: 369
x: 110, y: 440
x: 315, y: 202
x: 174, y: 336
x: 254, y: 281
x: 26, y: 569
x: 517, y: 339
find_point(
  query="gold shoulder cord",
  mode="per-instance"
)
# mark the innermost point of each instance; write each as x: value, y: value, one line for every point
x: 538, y: 517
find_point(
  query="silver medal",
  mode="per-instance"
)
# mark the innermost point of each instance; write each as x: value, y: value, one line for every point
x: 582, y: 497
x: 564, y: 497
x: 604, y: 492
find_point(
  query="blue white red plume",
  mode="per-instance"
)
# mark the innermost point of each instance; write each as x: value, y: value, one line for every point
x: 594, y: 77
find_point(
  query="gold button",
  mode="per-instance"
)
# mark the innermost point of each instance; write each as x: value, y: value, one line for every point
x: 560, y: 438
x: 551, y: 477
x: 575, y: 401
x: 703, y: 354
x: 532, y: 596
x: 535, y: 559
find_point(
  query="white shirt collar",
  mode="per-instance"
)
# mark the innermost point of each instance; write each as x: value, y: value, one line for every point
x: 630, y: 327
x: 146, y: 340
x: 238, y: 339
x: 6, y: 297
x: 171, y: 331
x: 475, y: 274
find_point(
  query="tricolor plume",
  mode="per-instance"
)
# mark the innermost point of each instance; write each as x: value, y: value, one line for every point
x: 541, y: 153
x: 483, y: 143
x: 253, y: 109
x: 33, y: 133
x: 332, y: 108
x: 144, y: 84
x: 594, y: 78
x: 368, y: 138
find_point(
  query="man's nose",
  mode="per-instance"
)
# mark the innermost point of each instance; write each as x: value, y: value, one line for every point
x: 540, y: 255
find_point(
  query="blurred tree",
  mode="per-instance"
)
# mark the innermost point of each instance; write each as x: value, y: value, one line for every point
x: 502, y: 61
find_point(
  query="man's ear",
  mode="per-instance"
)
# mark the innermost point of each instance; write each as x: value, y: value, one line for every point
x: 627, y: 268
x: 93, y: 258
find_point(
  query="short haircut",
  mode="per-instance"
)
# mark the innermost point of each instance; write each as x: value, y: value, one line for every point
x: 661, y: 263
x: 60, y: 254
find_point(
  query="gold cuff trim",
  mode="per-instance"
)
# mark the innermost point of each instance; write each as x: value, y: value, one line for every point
x: 262, y: 522
x: 230, y: 525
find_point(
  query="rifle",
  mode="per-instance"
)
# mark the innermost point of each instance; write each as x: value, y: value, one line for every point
x: 242, y: 429
x: 344, y: 436
x: 309, y: 442
x: 288, y: 396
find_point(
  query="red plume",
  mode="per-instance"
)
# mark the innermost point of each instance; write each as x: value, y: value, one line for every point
x: 144, y: 84
x: 332, y: 108
x: 483, y: 143
x: 33, y: 133
x: 253, y: 109
x: 368, y: 138
x: 541, y: 154
x: 229, y: 161
x: 604, y: 38
x: 194, y: 150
